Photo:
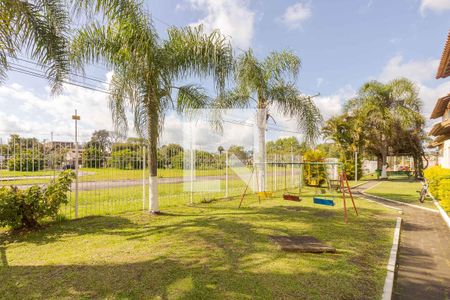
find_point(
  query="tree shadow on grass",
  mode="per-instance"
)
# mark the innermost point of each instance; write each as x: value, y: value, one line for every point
x: 231, y: 247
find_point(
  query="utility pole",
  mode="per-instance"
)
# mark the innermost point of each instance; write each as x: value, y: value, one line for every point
x: 76, y: 118
x: 356, y: 166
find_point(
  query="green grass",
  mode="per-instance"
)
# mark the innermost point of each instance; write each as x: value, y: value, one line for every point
x: 206, y: 251
x: 402, y: 190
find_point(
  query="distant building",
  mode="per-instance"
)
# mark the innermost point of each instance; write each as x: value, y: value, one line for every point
x: 441, y: 130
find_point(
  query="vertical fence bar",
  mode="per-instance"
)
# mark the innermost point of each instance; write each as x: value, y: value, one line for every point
x: 226, y: 174
x: 76, y: 118
x: 143, y: 177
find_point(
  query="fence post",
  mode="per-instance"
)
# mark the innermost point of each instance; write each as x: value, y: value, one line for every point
x: 226, y: 174
x: 292, y: 167
x: 76, y: 118
x: 143, y: 177
x: 276, y: 172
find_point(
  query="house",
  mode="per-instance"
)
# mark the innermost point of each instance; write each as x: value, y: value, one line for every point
x: 441, y: 130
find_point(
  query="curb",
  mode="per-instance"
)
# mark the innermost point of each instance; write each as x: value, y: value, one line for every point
x: 358, y: 185
x: 444, y: 215
x: 402, y: 203
x: 367, y: 196
x: 389, y: 282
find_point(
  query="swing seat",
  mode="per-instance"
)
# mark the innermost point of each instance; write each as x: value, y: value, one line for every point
x: 323, y: 201
x: 291, y: 197
x: 264, y: 195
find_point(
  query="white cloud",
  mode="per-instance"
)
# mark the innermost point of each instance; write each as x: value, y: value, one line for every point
x: 331, y: 105
x: 417, y: 70
x: 26, y: 113
x: 434, y: 5
x: 233, y: 18
x: 296, y: 14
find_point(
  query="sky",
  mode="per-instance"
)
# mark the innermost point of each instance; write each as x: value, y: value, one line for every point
x: 342, y: 44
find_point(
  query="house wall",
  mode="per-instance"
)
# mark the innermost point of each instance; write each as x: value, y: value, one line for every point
x: 445, y: 158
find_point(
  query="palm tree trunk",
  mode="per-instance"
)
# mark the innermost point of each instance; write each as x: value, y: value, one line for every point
x: 261, y: 121
x: 153, y: 164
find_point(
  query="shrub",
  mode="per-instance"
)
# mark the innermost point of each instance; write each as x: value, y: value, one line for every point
x: 444, y: 193
x: 126, y: 159
x: 314, y: 174
x: 26, y: 208
x: 434, y: 175
x: 26, y: 160
x: 93, y: 157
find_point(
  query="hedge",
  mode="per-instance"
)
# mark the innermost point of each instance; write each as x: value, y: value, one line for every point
x: 439, y: 185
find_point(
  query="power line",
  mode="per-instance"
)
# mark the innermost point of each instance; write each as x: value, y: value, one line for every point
x: 71, y: 73
x: 37, y: 75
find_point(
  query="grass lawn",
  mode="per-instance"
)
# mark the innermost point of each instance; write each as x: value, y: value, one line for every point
x: 206, y: 251
x: 402, y: 190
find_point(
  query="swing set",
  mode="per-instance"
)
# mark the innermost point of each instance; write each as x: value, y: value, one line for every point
x: 319, y: 178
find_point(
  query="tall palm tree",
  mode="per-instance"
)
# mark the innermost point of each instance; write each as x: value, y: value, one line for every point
x: 385, y: 108
x: 269, y: 85
x: 38, y: 28
x: 146, y: 70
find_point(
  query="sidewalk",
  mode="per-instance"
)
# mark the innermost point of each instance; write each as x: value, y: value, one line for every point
x: 424, y: 255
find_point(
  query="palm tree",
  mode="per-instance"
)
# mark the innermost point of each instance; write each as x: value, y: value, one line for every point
x: 147, y: 68
x: 347, y: 132
x: 385, y: 108
x: 39, y: 28
x: 269, y: 85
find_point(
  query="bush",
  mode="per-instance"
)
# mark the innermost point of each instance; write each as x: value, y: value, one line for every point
x: 26, y: 208
x: 93, y: 157
x: 444, y: 193
x: 314, y: 174
x: 126, y: 159
x: 434, y: 176
x: 26, y: 160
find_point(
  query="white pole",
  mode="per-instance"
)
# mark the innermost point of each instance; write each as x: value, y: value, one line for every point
x: 292, y: 167
x: 356, y: 166
x: 143, y: 177
x: 76, y: 118
x: 226, y: 174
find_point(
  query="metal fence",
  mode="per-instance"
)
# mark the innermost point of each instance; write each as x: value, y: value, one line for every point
x: 112, y: 177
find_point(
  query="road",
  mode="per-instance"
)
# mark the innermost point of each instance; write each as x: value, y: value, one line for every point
x: 424, y: 254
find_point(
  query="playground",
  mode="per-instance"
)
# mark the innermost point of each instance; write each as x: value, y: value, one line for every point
x: 205, y: 251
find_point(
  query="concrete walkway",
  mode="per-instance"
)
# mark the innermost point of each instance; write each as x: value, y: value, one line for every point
x: 424, y: 256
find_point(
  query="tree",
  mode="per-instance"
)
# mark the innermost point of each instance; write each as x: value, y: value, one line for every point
x: 220, y: 149
x: 385, y: 111
x: 101, y: 139
x: 166, y: 154
x: 269, y: 84
x: 147, y: 68
x: 239, y: 152
x: 39, y: 28
x: 347, y: 134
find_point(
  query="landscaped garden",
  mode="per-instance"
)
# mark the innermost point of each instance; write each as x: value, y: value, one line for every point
x: 206, y: 251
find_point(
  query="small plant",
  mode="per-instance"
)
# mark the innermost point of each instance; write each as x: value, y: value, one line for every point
x: 26, y: 208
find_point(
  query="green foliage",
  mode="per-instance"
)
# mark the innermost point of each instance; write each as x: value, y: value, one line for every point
x: 26, y: 160
x: 286, y: 146
x: 126, y: 159
x: 166, y: 155
x: 434, y: 176
x: 314, y: 174
x: 27, y: 208
x: 238, y: 151
x: 93, y: 157
x: 37, y: 28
